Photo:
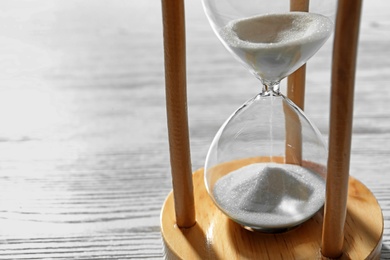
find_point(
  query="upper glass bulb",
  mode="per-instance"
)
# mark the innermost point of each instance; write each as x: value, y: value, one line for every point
x: 267, y: 37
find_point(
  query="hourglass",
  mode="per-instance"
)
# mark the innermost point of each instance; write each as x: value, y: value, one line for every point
x: 266, y: 167
x: 261, y: 193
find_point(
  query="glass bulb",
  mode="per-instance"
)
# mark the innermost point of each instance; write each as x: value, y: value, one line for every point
x: 266, y: 167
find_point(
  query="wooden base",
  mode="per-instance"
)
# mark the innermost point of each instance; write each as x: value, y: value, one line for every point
x: 214, y: 236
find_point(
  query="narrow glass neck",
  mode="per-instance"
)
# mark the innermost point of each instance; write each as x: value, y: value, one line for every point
x: 270, y: 88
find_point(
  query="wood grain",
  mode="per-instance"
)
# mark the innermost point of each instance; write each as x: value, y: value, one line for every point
x: 84, y: 155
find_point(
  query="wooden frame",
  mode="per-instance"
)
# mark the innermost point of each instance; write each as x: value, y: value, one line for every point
x: 206, y: 233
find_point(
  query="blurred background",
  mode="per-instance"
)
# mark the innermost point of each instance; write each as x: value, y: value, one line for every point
x: 84, y: 164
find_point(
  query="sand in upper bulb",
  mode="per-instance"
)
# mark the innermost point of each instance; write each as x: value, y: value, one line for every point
x: 270, y: 196
x: 275, y: 45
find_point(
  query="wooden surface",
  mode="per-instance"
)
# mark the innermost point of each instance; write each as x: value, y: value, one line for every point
x: 217, y: 237
x: 84, y: 164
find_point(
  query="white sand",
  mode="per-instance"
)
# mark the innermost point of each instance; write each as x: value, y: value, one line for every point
x: 275, y: 45
x: 274, y: 30
x: 270, y: 195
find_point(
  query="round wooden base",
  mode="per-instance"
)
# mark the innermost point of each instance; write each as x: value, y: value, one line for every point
x: 214, y: 236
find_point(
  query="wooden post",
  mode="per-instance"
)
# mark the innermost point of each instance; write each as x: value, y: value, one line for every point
x: 176, y: 102
x: 343, y: 79
x: 296, y: 81
x: 296, y: 93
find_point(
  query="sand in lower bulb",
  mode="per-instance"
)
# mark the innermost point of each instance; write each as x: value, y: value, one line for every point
x: 270, y: 196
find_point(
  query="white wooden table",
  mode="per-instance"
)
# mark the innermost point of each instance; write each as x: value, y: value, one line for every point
x: 84, y: 163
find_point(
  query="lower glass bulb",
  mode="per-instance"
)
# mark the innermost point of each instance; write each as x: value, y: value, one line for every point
x: 266, y: 167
